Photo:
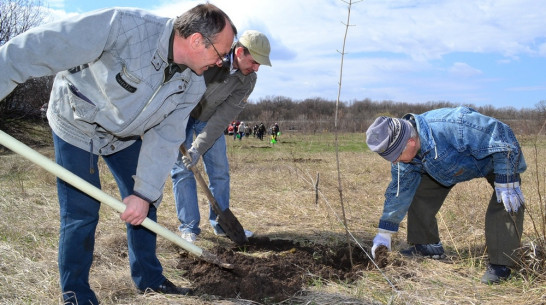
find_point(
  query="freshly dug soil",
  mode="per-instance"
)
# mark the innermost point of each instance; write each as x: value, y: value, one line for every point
x: 382, y: 256
x: 272, y: 270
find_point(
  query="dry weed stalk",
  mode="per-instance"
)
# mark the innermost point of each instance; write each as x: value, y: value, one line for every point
x: 533, y: 255
x: 340, y: 188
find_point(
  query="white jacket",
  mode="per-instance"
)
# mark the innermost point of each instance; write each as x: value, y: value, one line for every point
x: 109, y: 87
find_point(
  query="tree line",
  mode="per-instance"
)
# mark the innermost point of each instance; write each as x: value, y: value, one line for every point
x: 317, y: 114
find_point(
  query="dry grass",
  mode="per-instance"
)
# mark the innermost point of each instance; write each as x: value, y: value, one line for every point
x: 272, y: 193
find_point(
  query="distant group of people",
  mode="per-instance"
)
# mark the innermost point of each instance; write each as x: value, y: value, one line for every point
x: 193, y: 82
x: 239, y: 129
x: 259, y: 131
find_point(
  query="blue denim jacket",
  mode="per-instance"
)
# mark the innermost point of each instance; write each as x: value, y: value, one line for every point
x: 457, y: 144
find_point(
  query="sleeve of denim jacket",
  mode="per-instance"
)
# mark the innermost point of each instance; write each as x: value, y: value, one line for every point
x: 160, y: 146
x: 54, y: 47
x: 224, y: 114
x: 509, y: 163
x: 508, y: 166
x: 398, y: 197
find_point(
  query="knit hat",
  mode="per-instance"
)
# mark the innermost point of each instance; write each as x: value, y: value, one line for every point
x: 258, y: 45
x: 388, y: 137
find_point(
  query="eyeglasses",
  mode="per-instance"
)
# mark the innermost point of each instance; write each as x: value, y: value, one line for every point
x: 225, y: 58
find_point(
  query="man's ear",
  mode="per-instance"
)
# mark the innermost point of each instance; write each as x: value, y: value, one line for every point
x: 239, y: 51
x: 196, y: 39
x: 411, y: 142
x: 415, y: 142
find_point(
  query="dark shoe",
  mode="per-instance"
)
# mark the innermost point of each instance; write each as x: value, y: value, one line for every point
x: 434, y: 251
x: 495, y: 274
x: 169, y: 288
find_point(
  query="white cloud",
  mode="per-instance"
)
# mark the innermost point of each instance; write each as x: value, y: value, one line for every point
x: 542, y: 50
x: 395, y: 49
x: 461, y: 69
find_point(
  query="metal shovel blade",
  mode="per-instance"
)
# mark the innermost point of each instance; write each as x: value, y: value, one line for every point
x: 232, y: 227
x: 229, y: 223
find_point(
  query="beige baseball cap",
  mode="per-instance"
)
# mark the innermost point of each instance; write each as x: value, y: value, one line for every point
x: 258, y: 45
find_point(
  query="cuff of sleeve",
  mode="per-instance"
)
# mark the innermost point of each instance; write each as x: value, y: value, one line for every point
x: 146, y: 191
x: 388, y: 227
x: 154, y: 203
x: 507, y: 178
x: 142, y: 196
x: 195, y: 150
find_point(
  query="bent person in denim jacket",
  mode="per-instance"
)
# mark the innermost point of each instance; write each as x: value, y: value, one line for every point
x: 433, y: 151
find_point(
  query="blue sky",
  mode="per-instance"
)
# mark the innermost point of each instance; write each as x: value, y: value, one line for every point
x: 480, y: 52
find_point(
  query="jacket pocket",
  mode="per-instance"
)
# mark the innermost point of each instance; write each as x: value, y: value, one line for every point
x: 127, y: 80
x: 82, y: 107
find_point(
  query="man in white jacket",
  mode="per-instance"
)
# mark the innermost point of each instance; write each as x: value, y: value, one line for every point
x: 125, y: 83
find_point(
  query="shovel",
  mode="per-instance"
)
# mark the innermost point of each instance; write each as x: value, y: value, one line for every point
x: 86, y: 187
x: 229, y: 223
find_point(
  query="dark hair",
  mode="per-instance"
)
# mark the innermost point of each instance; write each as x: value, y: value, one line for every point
x: 245, y: 49
x: 206, y: 19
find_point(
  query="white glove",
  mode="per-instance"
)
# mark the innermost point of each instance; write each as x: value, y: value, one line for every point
x: 510, y: 195
x: 381, y: 239
x: 193, y: 158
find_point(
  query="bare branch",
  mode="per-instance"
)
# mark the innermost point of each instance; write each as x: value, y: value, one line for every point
x: 18, y: 16
x: 340, y: 188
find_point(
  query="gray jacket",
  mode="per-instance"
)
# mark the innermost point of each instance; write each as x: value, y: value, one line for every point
x: 221, y: 103
x: 109, y: 87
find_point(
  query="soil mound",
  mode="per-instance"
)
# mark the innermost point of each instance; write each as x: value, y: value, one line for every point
x: 272, y: 270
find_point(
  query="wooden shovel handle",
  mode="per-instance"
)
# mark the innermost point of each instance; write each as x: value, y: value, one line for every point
x: 91, y: 190
x: 202, y: 183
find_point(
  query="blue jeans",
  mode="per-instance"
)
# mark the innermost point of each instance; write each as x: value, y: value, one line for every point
x: 79, y: 215
x: 184, y: 184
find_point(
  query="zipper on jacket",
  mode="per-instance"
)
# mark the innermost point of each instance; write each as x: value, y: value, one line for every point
x: 152, y: 97
x: 78, y: 93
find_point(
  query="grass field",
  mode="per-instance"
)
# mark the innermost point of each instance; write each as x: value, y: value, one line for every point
x: 273, y: 194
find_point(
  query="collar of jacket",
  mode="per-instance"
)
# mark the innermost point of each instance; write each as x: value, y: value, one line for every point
x: 426, y: 138
x: 161, y: 55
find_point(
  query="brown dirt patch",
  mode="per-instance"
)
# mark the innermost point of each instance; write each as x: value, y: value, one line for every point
x: 272, y: 270
x: 382, y: 256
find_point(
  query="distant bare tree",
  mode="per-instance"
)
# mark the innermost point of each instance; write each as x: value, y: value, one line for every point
x: 18, y: 16
x: 26, y: 100
x: 541, y: 108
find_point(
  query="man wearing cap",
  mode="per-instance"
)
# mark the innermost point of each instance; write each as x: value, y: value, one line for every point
x: 432, y: 152
x: 228, y: 88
